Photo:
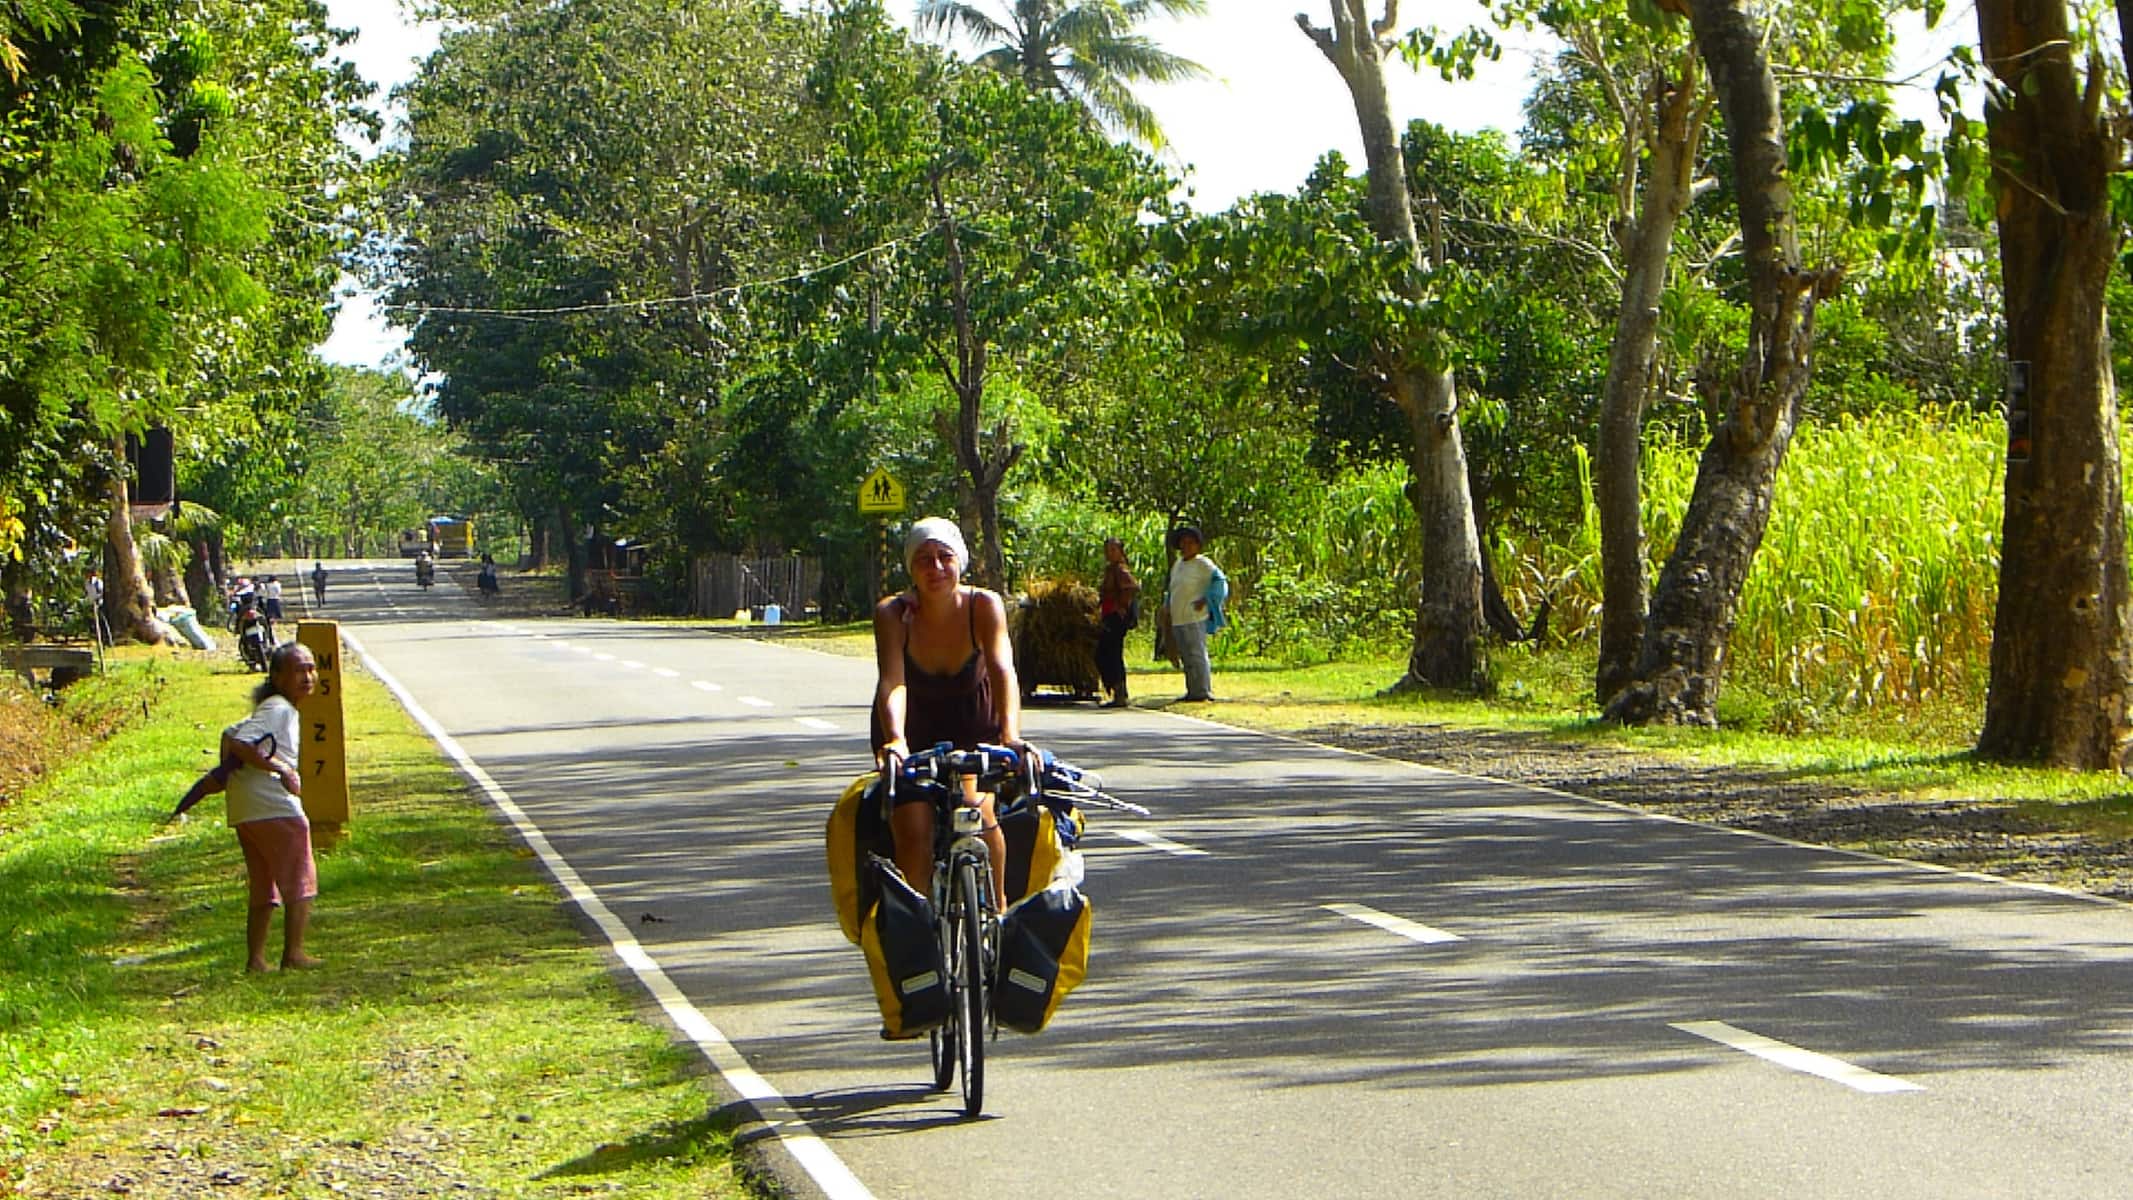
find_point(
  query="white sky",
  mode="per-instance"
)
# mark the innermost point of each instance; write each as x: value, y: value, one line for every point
x: 1270, y: 108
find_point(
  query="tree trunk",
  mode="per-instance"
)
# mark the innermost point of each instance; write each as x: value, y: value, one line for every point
x: 1617, y: 475
x: 2060, y: 663
x: 1681, y: 663
x: 199, y: 577
x: 573, y: 553
x: 1447, y: 646
x: 126, y: 596
x: 983, y: 470
x: 20, y: 605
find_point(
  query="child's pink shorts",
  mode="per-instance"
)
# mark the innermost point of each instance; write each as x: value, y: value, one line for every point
x: 277, y: 859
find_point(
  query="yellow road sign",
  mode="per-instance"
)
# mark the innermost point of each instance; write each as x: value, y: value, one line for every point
x: 881, y: 494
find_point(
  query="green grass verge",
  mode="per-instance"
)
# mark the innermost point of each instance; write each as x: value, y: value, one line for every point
x: 1923, y: 752
x: 462, y: 1036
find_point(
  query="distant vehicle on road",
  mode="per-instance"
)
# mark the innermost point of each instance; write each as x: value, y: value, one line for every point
x: 454, y: 537
x: 414, y: 543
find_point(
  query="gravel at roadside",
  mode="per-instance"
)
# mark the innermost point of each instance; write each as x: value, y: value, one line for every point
x: 1992, y: 836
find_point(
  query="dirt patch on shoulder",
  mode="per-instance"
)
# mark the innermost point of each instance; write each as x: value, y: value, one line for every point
x: 1992, y: 836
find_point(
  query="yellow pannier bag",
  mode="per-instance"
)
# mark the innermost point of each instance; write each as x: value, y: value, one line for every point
x: 856, y: 829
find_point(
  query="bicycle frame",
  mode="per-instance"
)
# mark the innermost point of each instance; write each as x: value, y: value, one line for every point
x: 966, y: 915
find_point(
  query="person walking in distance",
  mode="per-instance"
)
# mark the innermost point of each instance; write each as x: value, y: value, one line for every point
x: 1194, y: 602
x: 318, y: 581
x: 1118, y: 611
x: 93, y: 592
x: 272, y: 588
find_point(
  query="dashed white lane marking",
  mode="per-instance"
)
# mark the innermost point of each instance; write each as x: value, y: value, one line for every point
x: 603, y: 656
x: 1785, y: 1055
x: 701, y: 686
x: 818, y: 723
x: 633, y: 664
x: 1411, y: 930
x: 1156, y: 841
x: 666, y: 672
x: 815, y: 1156
x: 583, y: 649
x: 755, y: 702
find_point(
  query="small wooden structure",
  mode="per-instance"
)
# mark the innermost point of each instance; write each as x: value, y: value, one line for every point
x: 63, y: 664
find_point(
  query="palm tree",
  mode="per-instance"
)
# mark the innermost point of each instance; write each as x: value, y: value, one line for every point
x: 1082, y: 49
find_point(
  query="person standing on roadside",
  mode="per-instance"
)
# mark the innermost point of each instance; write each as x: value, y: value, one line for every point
x: 258, y: 773
x: 1194, y: 602
x: 1118, y: 612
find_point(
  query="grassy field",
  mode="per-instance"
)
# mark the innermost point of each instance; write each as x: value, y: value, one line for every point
x: 462, y: 1038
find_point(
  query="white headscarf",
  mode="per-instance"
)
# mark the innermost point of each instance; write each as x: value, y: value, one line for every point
x: 934, y: 529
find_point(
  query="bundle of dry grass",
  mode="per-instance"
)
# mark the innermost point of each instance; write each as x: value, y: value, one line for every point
x: 1054, y: 629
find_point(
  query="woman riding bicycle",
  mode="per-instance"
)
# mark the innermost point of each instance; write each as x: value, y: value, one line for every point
x: 947, y: 674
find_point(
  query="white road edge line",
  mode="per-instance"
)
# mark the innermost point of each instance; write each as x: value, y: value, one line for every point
x: 1770, y: 1049
x: 813, y: 1154
x: 1156, y: 841
x: 1411, y: 930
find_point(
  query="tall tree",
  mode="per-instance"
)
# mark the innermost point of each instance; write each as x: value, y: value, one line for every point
x: 1682, y: 659
x: 979, y: 220
x: 1085, y: 50
x: 1447, y: 641
x: 2060, y: 659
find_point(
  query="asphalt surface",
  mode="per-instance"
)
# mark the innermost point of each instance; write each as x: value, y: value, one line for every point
x: 1314, y: 973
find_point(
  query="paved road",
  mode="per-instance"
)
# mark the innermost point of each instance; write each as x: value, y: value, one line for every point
x: 1316, y: 974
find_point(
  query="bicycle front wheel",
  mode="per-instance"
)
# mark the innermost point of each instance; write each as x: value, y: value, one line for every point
x: 943, y: 1038
x: 969, y: 1003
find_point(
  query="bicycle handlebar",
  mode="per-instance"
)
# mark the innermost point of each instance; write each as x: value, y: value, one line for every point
x: 1042, y: 775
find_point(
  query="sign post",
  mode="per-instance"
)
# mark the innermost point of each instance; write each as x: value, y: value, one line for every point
x: 324, y: 765
x: 881, y: 496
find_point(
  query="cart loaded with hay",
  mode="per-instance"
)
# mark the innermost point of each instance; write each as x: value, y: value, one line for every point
x: 1054, y: 627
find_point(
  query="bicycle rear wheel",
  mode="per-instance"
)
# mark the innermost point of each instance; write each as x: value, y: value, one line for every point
x: 968, y: 1004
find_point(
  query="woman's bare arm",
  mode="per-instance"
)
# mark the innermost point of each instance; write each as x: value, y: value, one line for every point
x: 1000, y: 662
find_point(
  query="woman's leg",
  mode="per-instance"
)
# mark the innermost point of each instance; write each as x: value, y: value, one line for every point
x: 293, y: 923
x: 995, y: 850
x: 1111, y: 656
x: 911, y: 827
x: 257, y: 918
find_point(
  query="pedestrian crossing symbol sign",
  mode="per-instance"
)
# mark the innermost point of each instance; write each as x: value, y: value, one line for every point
x: 880, y: 494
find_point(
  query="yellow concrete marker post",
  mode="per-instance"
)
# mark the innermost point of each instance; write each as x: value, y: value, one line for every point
x: 325, y: 759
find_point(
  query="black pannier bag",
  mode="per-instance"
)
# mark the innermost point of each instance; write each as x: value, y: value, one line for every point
x: 1044, y: 953
x: 903, y: 957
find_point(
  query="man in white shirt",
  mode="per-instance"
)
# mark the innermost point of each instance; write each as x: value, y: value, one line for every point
x: 1190, y: 577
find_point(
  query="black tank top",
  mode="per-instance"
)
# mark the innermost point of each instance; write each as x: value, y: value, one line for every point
x: 956, y: 707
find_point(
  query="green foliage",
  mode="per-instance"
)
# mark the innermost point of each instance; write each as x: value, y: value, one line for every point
x: 1876, y: 579
x: 164, y: 257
